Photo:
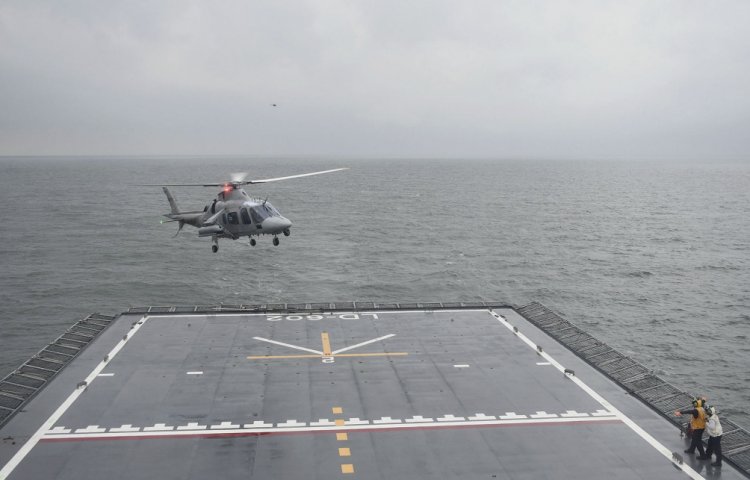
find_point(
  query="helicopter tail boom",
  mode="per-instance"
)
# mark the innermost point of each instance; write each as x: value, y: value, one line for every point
x: 172, y: 202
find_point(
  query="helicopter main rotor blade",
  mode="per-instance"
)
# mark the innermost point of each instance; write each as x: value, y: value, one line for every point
x: 239, y: 177
x: 181, y: 184
x: 266, y: 180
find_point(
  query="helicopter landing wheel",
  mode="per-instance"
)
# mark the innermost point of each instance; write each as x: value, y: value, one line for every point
x: 214, y: 248
x: 287, y: 232
x: 252, y: 242
x: 276, y: 241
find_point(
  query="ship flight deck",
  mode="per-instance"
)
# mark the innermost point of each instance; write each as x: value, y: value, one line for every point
x: 372, y: 394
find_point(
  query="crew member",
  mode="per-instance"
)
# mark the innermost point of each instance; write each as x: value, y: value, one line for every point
x: 698, y: 424
x: 714, y: 437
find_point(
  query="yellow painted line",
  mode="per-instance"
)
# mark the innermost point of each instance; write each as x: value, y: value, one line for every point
x: 347, y: 468
x: 337, y: 410
x: 342, y: 436
x: 345, y: 452
x: 326, y: 344
x: 339, y: 422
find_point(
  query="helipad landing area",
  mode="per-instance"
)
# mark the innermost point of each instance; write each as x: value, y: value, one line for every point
x: 381, y: 394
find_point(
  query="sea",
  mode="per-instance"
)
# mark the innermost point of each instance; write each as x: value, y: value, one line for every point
x: 652, y: 257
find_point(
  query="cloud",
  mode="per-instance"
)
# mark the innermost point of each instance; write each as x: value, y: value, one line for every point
x: 422, y: 78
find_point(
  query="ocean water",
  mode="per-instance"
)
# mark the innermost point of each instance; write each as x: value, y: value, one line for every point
x: 651, y: 257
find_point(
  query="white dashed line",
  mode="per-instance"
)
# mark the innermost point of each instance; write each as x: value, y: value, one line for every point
x: 225, y: 426
x: 159, y: 427
x: 323, y: 425
x: 192, y: 426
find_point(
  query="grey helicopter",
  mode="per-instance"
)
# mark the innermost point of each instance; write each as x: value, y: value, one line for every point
x: 233, y: 213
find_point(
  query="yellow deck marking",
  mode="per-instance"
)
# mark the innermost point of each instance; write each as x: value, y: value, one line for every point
x: 328, y: 355
x: 347, y: 468
x: 345, y: 452
x: 339, y: 422
x: 342, y: 437
x: 326, y: 344
x: 337, y: 410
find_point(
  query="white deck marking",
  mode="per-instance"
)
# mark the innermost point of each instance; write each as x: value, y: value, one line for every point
x: 323, y: 422
x: 341, y: 350
x: 511, y: 416
x: 543, y: 414
x: 450, y: 418
x: 191, y: 426
x: 357, y: 421
x: 419, y: 419
x: 159, y: 427
x: 296, y: 347
x: 106, y: 375
x: 194, y: 373
x: 463, y: 365
x: 65, y: 405
x: 608, y: 406
x: 338, y: 312
x: 385, y: 423
x: 59, y: 430
x: 573, y: 413
x: 224, y: 426
x: 543, y: 363
x: 91, y: 429
x: 125, y: 428
x: 291, y: 423
x: 481, y: 416
x: 258, y: 424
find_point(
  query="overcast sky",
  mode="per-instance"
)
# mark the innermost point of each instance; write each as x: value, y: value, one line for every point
x: 507, y: 79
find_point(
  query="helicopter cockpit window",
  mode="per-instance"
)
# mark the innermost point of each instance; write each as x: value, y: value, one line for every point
x: 233, y: 218
x: 259, y: 213
x: 271, y: 210
x: 245, y: 216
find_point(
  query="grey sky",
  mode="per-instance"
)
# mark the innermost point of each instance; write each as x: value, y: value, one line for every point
x: 418, y: 78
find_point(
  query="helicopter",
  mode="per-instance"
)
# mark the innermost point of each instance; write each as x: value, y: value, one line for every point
x: 233, y: 213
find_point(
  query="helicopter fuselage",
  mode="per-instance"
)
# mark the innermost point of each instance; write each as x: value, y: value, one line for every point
x: 237, y: 215
x: 233, y: 214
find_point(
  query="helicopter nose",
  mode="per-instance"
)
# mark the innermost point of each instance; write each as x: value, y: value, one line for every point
x: 276, y: 224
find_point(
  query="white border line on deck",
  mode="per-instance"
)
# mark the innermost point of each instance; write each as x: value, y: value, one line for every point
x: 31, y: 442
x: 593, y: 394
x: 335, y: 312
x: 355, y: 424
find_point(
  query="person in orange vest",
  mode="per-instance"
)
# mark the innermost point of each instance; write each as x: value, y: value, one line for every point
x: 698, y: 424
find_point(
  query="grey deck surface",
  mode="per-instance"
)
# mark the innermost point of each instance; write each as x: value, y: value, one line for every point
x: 443, y: 394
